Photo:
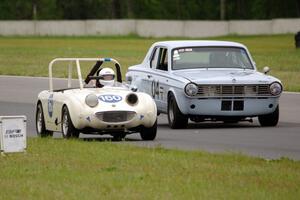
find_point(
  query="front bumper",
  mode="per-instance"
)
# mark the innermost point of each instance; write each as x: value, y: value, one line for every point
x: 229, y: 106
x: 94, y: 121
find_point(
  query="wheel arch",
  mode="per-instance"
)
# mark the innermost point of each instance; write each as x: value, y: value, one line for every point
x: 40, y: 102
x: 178, y: 99
x: 72, y: 113
x: 37, y: 103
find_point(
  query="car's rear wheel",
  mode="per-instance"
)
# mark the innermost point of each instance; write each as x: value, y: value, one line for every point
x: 40, y: 122
x: 269, y: 119
x: 67, y: 127
x: 149, y: 133
x: 175, y: 117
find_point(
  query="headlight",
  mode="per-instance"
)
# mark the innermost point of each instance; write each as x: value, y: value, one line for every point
x: 275, y: 88
x: 91, y: 100
x: 132, y: 99
x: 191, y: 89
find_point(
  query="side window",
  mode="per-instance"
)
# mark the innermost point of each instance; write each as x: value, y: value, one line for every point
x: 163, y: 59
x: 154, y: 58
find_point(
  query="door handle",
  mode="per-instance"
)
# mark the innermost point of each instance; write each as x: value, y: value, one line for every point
x: 149, y: 76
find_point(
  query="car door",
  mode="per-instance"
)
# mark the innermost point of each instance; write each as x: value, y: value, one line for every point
x: 148, y: 78
x: 159, y: 85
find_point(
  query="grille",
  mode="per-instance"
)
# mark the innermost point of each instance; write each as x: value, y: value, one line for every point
x: 116, y: 116
x: 233, y: 90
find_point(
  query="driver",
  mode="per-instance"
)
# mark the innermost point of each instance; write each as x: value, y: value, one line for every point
x: 107, y: 76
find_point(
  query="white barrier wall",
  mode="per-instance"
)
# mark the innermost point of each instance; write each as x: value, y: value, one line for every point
x: 159, y: 28
x: 63, y: 27
x: 205, y: 28
x: 149, y: 28
x: 244, y: 27
x: 110, y: 27
x: 285, y: 26
x: 17, y: 28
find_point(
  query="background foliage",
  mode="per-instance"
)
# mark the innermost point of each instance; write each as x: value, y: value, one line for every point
x: 147, y: 9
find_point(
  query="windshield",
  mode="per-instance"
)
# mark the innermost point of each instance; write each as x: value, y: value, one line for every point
x: 210, y: 57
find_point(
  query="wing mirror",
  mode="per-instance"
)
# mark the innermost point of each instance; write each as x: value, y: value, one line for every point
x: 128, y: 79
x: 266, y: 70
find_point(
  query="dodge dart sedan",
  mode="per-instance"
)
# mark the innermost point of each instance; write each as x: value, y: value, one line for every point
x: 206, y: 81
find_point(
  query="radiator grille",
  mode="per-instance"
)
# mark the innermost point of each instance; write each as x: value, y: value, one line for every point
x: 233, y: 90
x: 116, y: 116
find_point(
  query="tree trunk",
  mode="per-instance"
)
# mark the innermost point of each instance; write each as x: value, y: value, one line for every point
x: 222, y: 9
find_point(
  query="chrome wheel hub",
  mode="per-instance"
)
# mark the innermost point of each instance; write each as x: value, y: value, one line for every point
x: 171, y: 113
x: 65, y: 124
x: 39, y: 121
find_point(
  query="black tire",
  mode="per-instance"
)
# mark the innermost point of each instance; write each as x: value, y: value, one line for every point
x: 119, y: 136
x: 40, y: 122
x: 269, y: 119
x: 230, y: 121
x: 67, y: 128
x: 149, y: 133
x: 176, y: 119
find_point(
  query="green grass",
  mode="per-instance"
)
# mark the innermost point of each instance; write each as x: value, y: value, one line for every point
x: 76, y: 169
x: 30, y: 56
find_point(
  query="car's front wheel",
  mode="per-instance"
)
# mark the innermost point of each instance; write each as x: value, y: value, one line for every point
x: 67, y: 127
x: 269, y: 119
x: 149, y: 133
x: 119, y: 136
x: 175, y: 117
x: 40, y: 122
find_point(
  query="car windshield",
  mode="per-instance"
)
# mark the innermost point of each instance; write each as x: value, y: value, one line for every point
x: 210, y: 57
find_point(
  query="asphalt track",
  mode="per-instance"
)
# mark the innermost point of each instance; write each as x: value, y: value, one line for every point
x: 18, y: 96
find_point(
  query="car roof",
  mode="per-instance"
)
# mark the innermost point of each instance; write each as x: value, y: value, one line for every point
x: 195, y: 43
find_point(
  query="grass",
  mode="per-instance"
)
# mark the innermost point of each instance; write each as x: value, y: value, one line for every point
x: 30, y: 56
x: 76, y: 169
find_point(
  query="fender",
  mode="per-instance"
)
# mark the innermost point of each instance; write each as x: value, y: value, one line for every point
x: 75, y: 112
x: 151, y: 106
x: 180, y: 99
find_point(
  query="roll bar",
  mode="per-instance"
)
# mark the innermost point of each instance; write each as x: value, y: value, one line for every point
x: 77, y: 61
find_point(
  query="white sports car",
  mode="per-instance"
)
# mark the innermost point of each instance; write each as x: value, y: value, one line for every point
x: 207, y: 80
x: 116, y: 110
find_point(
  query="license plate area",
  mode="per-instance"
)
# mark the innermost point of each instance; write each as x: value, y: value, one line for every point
x: 232, y: 105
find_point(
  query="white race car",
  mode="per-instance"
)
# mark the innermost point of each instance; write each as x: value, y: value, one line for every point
x: 207, y: 80
x: 113, y: 109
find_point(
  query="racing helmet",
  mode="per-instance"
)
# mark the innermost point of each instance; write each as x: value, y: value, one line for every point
x: 107, y: 76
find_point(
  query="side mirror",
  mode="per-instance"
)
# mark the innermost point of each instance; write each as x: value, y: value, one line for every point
x: 266, y: 69
x: 128, y: 79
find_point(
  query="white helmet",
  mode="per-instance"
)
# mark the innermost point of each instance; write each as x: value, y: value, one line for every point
x: 107, y: 76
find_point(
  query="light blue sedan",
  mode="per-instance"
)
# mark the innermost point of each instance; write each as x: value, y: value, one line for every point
x: 206, y: 81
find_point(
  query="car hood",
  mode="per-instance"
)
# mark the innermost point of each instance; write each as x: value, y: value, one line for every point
x: 225, y: 76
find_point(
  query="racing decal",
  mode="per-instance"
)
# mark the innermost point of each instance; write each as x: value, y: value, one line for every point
x: 185, y: 50
x: 50, y: 105
x: 141, y: 117
x: 176, y: 55
x: 88, y: 119
x: 155, y: 88
x: 110, y: 98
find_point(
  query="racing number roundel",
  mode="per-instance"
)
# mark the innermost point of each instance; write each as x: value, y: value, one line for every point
x: 110, y: 98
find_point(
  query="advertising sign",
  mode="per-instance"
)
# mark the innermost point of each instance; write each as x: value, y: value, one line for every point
x: 12, y: 134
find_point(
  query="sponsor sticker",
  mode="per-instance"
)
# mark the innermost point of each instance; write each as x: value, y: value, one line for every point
x: 50, y: 105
